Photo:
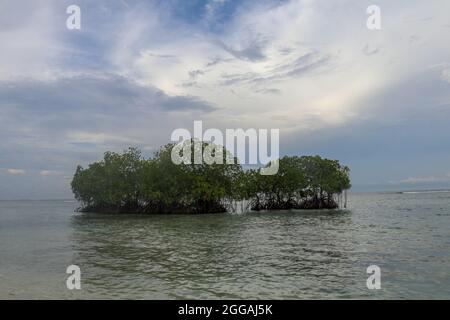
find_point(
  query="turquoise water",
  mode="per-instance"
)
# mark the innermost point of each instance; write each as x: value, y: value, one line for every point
x: 273, y: 255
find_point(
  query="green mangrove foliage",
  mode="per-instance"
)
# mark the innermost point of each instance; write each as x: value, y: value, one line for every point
x: 308, y: 182
x: 128, y: 183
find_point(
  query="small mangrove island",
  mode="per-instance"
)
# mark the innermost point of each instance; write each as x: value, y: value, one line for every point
x: 128, y: 183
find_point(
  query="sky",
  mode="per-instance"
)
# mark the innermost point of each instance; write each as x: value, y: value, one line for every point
x: 377, y: 100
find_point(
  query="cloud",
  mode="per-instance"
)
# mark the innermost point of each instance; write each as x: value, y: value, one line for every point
x: 162, y: 56
x: 367, y: 50
x: 418, y: 180
x: 253, y: 50
x: 94, y: 93
x: 46, y: 173
x: 445, y: 75
x: 31, y: 41
x: 212, y: 9
x: 195, y: 73
x: 16, y: 172
x: 216, y: 61
x: 98, y: 138
x: 301, y: 66
x: 268, y: 91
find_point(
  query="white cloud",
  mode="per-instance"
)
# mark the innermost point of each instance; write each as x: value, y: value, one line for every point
x: 417, y: 180
x: 98, y: 138
x: 255, y: 53
x: 46, y: 173
x: 445, y: 75
x: 16, y: 172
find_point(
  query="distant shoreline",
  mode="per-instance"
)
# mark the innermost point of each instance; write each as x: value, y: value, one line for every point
x: 424, y: 191
x: 350, y: 192
x: 414, y: 191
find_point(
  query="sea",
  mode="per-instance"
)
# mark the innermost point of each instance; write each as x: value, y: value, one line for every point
x: 328, y: 254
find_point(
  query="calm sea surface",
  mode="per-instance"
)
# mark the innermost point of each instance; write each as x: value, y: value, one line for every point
x: 277, y: 255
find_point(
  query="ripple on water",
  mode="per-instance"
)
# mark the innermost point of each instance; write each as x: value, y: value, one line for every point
x: 272, y: 255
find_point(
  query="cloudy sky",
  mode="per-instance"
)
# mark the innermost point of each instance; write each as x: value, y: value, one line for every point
x: 378, y: 100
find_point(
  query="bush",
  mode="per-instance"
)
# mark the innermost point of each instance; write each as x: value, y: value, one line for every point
x: 128, y: 183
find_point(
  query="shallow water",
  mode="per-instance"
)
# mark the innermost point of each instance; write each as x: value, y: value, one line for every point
x: 273, y: 255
